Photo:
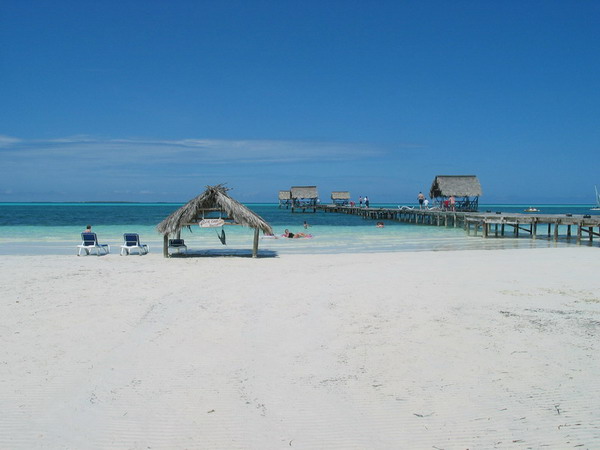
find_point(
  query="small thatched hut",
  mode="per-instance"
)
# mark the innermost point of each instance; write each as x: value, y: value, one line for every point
x: 340, y: 198
x: 212, y: 203
x: 304, y: 197
x: 465, y: 189
x: 285, y: 198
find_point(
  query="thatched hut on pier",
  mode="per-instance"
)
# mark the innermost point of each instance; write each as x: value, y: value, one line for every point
x: 285, y: 199
x: 341, y: 198
x: 465, y: 189
x: 304, y: 197
x: 214, y: 207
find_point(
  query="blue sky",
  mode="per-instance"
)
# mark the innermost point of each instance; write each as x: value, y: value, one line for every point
x: 153, y: 100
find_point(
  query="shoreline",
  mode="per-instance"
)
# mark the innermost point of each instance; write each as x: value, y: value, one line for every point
x: 373, y: 350
x: 70, y: 249
x: 366, y: 240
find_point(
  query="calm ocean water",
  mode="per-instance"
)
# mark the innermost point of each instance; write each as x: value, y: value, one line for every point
x: 54, y: 228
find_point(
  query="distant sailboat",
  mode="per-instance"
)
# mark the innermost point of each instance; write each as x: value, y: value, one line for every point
x: 597, y: 207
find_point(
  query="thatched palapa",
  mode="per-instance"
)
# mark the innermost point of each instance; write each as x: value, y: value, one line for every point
x: 304, y: 197
x: 285, y: 198
x: 457, y: 185
x: 306, y: 192
x: 215, y: 198
x: 340, y: 197
x: 464, y: 187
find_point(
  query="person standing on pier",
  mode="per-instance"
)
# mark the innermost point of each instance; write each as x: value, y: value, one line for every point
x: 360, y: 201
x: 366, y: 201
x: 421, y: 199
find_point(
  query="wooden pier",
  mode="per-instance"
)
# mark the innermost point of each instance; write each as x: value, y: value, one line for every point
x: 488, y: 224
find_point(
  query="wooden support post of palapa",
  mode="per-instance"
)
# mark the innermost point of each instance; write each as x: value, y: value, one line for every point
x: 166, y: 245
x: 255, y: 245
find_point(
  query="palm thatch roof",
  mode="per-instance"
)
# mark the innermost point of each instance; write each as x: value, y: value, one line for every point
x: 340, y: 195
x: 214, y: 198
x: 284, y: 195
x: 457, y: 185
x: 304, y: 192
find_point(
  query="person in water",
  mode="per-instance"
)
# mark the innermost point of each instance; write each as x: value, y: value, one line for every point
x: 288, y: 234
x: 379, y: 225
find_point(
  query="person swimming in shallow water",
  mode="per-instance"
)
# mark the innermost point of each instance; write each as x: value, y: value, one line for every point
x: 288, y: 234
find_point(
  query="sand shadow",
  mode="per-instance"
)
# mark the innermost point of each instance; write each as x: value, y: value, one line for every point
x: 230, y: 252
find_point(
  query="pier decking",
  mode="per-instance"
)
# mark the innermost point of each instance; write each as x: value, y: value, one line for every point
x: 488, y: 224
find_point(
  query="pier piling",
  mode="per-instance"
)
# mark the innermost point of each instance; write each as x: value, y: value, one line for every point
x: 473, y: 220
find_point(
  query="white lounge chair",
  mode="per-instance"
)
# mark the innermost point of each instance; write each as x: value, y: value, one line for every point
x: 90, y: 244
x: 178, y: 244
x: 132, y: 242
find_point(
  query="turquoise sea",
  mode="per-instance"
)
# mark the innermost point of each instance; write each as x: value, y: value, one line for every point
x: 54, y: 228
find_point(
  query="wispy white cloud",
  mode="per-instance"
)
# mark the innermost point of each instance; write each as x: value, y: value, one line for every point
x: 205, y: 151
x: 7, y: 141
x: 89, y: 167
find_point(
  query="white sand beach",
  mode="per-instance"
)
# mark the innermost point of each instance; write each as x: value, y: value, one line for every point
x: 445, y: 350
